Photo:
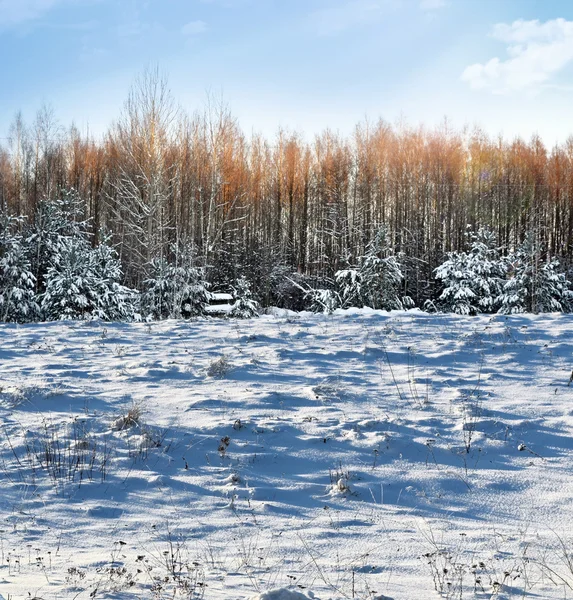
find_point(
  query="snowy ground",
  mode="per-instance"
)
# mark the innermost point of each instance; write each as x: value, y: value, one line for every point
x: 359, y: 455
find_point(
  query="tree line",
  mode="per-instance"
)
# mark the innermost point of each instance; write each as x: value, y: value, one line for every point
x: 166, y: 187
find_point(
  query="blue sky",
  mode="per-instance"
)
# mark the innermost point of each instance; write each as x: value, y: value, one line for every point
x: 301, y: 64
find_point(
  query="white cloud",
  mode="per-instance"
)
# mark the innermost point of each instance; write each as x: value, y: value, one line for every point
x: 536, y: 52
x: 194, y: 28
x: 432, y: 4
x: 334, y: 20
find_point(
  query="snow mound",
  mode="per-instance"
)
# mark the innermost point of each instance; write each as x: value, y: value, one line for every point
x: 282, y: 594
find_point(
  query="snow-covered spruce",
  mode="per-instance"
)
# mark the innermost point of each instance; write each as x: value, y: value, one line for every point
x: 375, y: 281
x: 52, y: 272
x: 245, y: 306
x: 323, y: 300
x: 17, y: 282
x: 487, y: 269
x: 174, y: 291
x: 84, y: 283
x: 472, y: 280
x: 113, y: 301
x: 58, y: 223
x: 68, y: 284
x: 458, y: 295
x: 534, y: 285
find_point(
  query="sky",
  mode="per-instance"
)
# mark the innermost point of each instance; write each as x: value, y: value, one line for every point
x: 304, y: 65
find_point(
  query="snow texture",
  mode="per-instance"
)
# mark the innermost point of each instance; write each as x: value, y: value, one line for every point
x: 282, y: 594
x: 361, y: 454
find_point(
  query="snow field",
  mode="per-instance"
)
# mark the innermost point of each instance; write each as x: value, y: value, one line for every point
x: 362, y: 454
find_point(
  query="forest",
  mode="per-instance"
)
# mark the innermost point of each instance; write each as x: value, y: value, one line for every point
x: 168, y: 205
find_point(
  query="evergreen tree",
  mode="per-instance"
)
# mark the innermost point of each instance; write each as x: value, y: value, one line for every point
x: 349, y: 285
x: 487, y: 268
x: 285, y: 288
x: 69, y: 283
x: 458, y: 296
x: 58, y: 223
x: 245, y: 306
x: 534, y: 285
x: 472, y: 281
x: 376, y: 280
x: 84, y: 283
x: 157, y: 298
x: 175, y: 290
x: 77, y: 281
x: 323, y: 300
x: 113, y: 301
x: 191, y: 294
x: 17, y: 298
x: 553, y: 292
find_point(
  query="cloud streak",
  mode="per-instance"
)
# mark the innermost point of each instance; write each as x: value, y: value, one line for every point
x: 536, y: 53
